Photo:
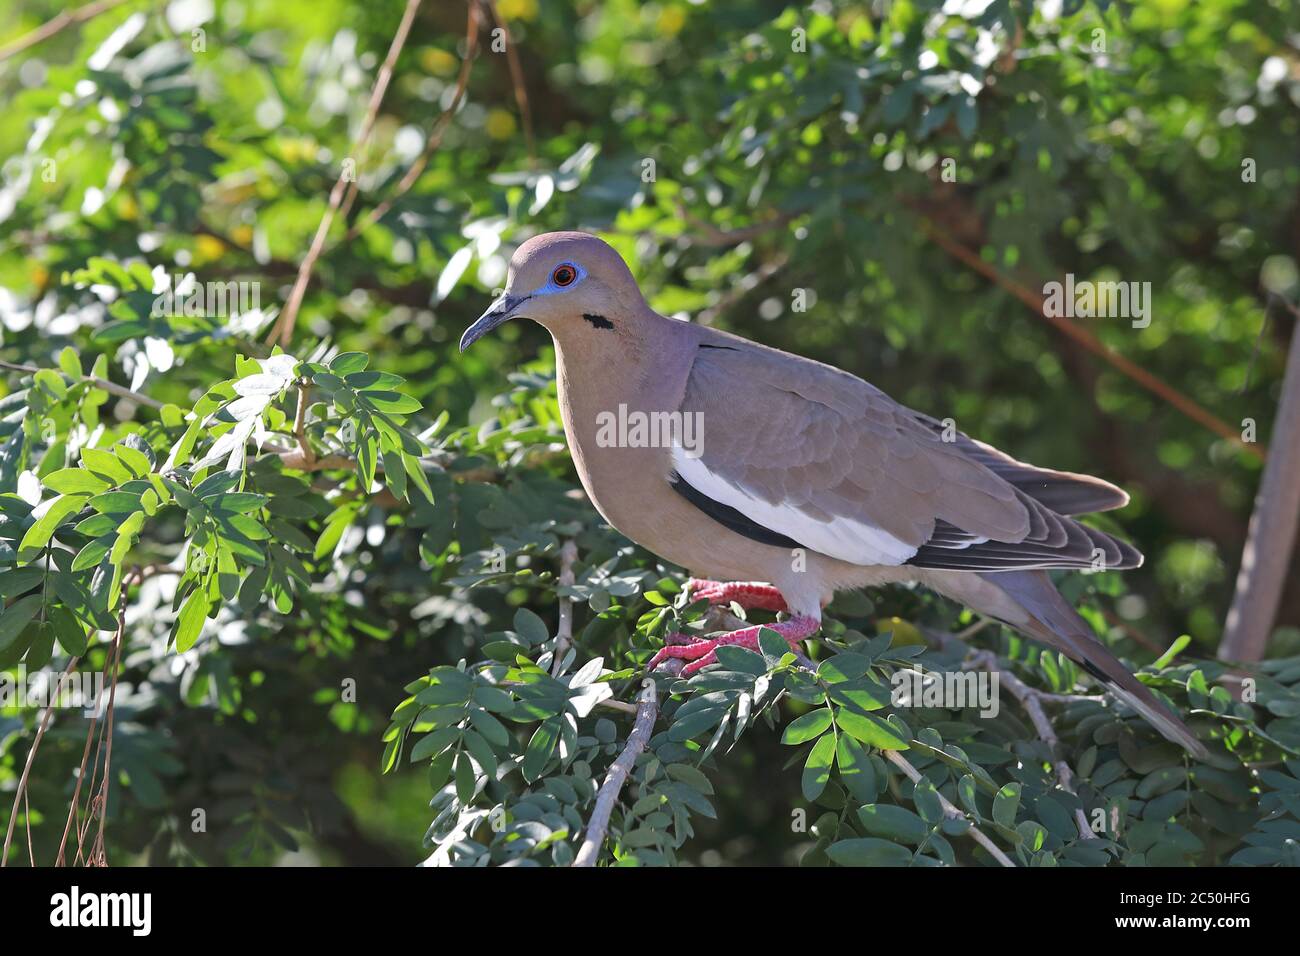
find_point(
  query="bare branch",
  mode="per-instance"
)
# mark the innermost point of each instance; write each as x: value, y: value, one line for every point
x: 647, y: 712
x: 98, y: 855
x: 31, y: 758
x: 1271, y: 536
x: 57, y: 24
x: 435, y: 133
x: 1036, y: 303
x: 113, y: 389
x: 564, y: 630
x: 1032, y: 700
x: 282, y: 332
x: 517, y: 79
x: 903, y: 764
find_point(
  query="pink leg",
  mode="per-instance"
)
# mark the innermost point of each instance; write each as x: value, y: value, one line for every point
x: 703, y: 653
x: 748, y: 594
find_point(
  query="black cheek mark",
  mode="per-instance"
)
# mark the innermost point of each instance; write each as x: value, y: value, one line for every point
x: 598, y: 321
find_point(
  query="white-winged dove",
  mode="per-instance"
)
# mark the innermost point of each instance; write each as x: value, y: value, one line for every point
x: 789, y: 479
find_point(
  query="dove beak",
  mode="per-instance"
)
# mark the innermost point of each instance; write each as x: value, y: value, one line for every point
x: 498, y: 313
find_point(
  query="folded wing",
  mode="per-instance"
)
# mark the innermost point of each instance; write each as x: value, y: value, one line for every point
x: 800, y: 452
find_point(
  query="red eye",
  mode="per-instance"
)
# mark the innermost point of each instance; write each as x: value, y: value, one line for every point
x: 564, y: 275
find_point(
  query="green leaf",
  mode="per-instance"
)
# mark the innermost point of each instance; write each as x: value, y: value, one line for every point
x: 805, y: 728
x: 94, y: 552
x: 348, y: 363
x: 742, y: 659
x: 492, y: 729
x: 394, y: 403
x: 465, y: 778
x: 106, y: 464
x: 39, y: 534
x: 16, y: 617
x: 434, y: 743
x: 71, y: 633
x: 18, y: 580
x: 893, y: 822
x: 74, y: 481
x: 239, y: 502
x: 817, y: 769
x: 844, y: 666
x: 869, y: 851
x: 870, y: 729
x: 1005, y: 805
x: 540, y: 747
x: 70, y: 363
x: 856, y: 769
x: 189, y: 622
x: 530, y: 627
x: 116, y: 503
x: 134, y: 459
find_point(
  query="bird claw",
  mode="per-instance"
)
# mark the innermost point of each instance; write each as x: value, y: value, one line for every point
x: 749, y: 595
x: 702, y: 652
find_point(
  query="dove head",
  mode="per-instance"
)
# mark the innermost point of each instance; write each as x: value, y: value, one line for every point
x: 570, y: 282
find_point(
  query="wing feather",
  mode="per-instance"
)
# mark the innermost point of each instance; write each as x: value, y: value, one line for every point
x: 824, y: 459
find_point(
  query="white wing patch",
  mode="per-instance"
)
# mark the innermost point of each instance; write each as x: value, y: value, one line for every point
x: 844, y: 538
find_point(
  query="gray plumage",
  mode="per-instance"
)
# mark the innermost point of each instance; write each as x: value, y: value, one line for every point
x: 807, y: 477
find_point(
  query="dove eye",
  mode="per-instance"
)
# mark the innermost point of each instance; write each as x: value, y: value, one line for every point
x: 564, y: 275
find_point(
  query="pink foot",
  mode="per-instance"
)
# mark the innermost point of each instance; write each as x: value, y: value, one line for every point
x: 703, y: 653
x: 748, y: 594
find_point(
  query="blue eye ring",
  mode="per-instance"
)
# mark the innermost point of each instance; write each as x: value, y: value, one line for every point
x: 564, y: 275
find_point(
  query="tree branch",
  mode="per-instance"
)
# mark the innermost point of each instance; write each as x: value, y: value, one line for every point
x: 436, y: 133
x: 564, y: 629
x: 282, y: 332
x: 1036, y: 303
x: 55, y: 25
x: 31, y: 758
x: 903, y: 764
x: 113, y: 389
x: 517, y: 80
x: 1032, y: 700
x: 1271, y: 536
x: 647, y: 712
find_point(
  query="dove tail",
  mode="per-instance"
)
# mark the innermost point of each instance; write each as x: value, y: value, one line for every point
x: 1055, y: 623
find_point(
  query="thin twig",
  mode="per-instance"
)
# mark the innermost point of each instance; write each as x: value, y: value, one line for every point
x: 97, y: 851
x: 81, y: 776
x: 119, y: 390
x: 564, y: 629
x: 647, y: 712
x: 742, y: 288
x: 903, y: 764
x: 31, y: 758
x: 282, y: 332
x: 706, y: 234
x: 27, y: 821
x: 435, y: 133
x: 1037, y: 304
x: 517, y: 79
x: 64, y: 20
x: 1032, y: 700
x: 300, y: 423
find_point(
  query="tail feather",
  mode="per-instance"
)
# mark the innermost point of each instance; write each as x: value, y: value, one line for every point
x: 1055, y: 623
